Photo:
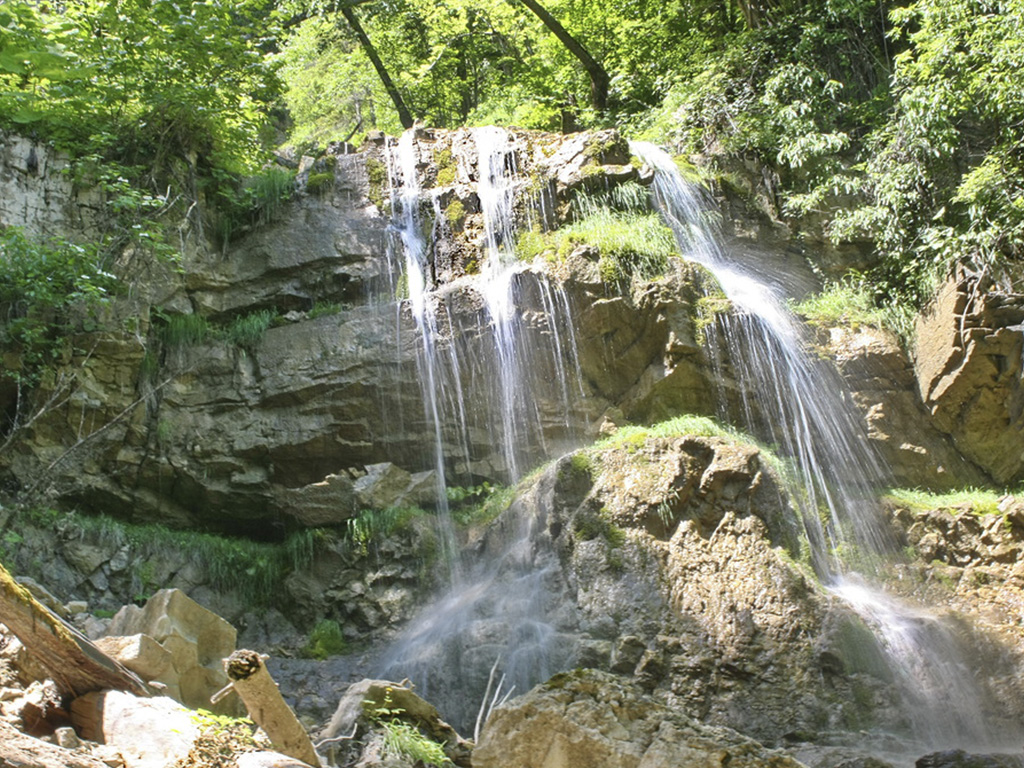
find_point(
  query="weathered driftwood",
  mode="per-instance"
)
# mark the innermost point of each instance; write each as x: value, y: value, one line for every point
x: 68, y: 657
x: 268, y: 709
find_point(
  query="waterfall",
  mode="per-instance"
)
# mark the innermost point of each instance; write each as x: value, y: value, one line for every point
x: 495, y: 616
x: 496, y: 190
x: 798, y: 406
x: 406, y: 224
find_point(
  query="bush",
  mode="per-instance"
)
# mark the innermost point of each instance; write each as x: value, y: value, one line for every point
x: 325, y: 640
x: 44, y: 287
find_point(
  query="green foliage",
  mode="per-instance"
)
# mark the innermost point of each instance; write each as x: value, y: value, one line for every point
x: 944, y: 174
x: 405, y: 742
x: 455, y: 212
x: 178, y: 331
x: 325, y: 640
x: 402, y: 740
x: 247, y: 331
x: 479, y: 505
x: 320, y: 183
x: 845, y: 302
x: 174, y: 79
x: 321, y: 309
x: 980, y: 500
x: 221, y: 738
x: 246, y: 202
x: 377, y: 174
x: 632, y: 240
x: 678, y: 426
x: 373, y: 524
x: 46, y: 289
x: 446, y: 169
x: 252, y: 570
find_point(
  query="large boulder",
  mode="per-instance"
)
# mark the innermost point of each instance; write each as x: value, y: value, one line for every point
x: 597, y: 719
x: 970, y: 372
x: 175, y: 641
x: 147, y: 733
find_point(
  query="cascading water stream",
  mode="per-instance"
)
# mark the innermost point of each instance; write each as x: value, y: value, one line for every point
x: 405, y: 203
x: 497, y: 615
x: 797, y: 406
x: 495, y: 188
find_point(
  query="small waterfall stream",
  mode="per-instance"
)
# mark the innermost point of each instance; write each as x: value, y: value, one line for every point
x: 494, y: 617
x: 798, y: 406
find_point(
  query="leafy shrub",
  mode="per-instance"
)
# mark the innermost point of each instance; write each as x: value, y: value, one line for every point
x: 44, y: 287
x: 325, y: 640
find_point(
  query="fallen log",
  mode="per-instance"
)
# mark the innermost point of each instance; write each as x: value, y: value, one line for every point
x: 67, y: 657
x: 267, y: 708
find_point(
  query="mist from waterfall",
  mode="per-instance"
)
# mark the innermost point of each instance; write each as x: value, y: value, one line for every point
x: 798, y: 405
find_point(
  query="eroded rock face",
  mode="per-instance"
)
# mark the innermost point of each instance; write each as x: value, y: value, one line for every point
x: 275, y: 433
x: 968, y: 362
x: 882, y: 382
x: 593, y: 718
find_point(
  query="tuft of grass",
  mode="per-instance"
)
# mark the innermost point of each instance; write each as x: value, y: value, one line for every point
x: 631, y: 239
x: 247, y: 331
x: 851, y: 301
x: 371, y: 524
x: 678, y: 426
x: 405, y: 742
x: 982, y: 501
x: 179, y: 331
x: 631, y: 244
x: 484, y: 506
x: 325, y: 640
x: 320, y: 309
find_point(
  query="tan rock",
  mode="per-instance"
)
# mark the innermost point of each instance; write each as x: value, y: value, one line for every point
x: 148, y: 733
x: 970, y: 372
x: 140, y: 653
x: 590, y: 718
x: 194, y: 639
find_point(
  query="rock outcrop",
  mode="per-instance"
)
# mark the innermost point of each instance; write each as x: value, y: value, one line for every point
x: 970, y: 372
x: 881, y: 379
x: 593, y: 718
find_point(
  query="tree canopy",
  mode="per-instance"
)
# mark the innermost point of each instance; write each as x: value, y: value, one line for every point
x: 902, y: 123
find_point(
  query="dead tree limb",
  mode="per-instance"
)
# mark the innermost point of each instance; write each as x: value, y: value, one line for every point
x: 68, y: 658
x: 268, y: 709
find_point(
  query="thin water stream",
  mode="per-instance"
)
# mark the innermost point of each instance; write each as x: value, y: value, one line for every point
x: 796, y: 404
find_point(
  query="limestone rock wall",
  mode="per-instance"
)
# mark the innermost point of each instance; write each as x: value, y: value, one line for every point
x: 38, y: 193
x: 970, y: 372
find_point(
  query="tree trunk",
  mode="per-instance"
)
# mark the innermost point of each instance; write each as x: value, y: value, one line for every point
x: 267, y: 708
x: 68, y: 658
x: 382, y: 73
x: 598, y: 77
